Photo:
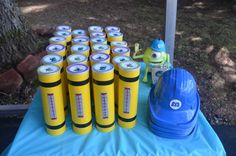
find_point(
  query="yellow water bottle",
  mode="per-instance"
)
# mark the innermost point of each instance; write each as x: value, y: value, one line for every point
x: 120, y: 51
x: 94, y: 28
x: 114, y: 36
x: 116, y: 61
x: 58, y: 60
x: 78, y: 32
x: 81, y: 40
x: 63, y: 28
x: 98, y: 34
x: 118, y: 44
x: 80, y: 49
x: 67, y: 36
x: 57, y: 40
x: 58, y: 49
x: 128, y: 93
x: 99, y: 57
x: 103, y: 91
x: 98, y: 40
x: 112, y: 29
x: 80, y: 104
x: 101, y: 48
x: 77, y: 58
x: 51, y: 92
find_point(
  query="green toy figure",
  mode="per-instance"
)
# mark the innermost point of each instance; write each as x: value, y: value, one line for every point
x: 155, y: 58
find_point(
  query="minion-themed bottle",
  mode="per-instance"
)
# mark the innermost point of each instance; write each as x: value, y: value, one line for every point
x: 49, y: 77
x: 80, y: 40
x: 79, y: 32
x: 120, y: 51
x: 118, y: 44
x: 77, y: 58
x: 98, y: 40
x: 98, y: 34
x: 128, y: 93
x: 112, y: 29
x: 103, y: 91
x: 80, y: 49
x: 58, y: 60
x: 95, y: 28
x: 114, y: 36
x: 67, y: 36
x: 79, y: 88
x: 116, y: 61
x: 98, y: 58
x: 101, y: 48
x: 57, y: 40
x: 64, y: 28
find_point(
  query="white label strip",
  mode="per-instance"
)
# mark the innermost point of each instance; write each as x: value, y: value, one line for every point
x: 79, y: 105
x: 104, y: 100
x: 126, y: 100
x: 52, y: 108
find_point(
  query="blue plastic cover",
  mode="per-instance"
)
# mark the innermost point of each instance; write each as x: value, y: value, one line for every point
x: 32, y: 139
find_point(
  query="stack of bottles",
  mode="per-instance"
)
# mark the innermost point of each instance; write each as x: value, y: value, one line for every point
x: 174, y: 105
x: 85, y: 67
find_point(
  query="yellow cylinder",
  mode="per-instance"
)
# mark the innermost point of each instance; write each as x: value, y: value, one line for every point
x: 120, y: 51
x: 103, y: 92
x: 98, y: 34
x: 78, y: 32
x: 98, y: 40
x: 58, y: 49
x: 77, y: 58
x: 99, y: 58
x: 128, y: 93
x: 95, y: 28
x: 112, y: 29
x: 80, y: 104
x: 114, y: 36
x: 63, y: 28
x: 58, y: 60
x: 118, y: 44
x: 80, y: 49
x: 57, y: 40
x: 101, y: 48
x: 67, y: 36
x: 81, y: 40
x: 116, y: 61
x: 51, y: 92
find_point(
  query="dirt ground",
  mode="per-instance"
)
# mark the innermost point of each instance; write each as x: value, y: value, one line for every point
x: 205, y: 38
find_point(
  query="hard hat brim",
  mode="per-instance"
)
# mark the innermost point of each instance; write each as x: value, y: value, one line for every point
x: 165, y: 121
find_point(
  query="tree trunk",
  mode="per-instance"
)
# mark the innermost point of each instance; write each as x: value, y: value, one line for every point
x: 16, y: 38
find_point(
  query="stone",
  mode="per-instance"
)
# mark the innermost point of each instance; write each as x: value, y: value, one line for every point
x: 27, y: 68
x: 43, y: 30
x: 10, y: 81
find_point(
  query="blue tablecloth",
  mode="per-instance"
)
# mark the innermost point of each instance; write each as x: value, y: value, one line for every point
x: 32, y: 139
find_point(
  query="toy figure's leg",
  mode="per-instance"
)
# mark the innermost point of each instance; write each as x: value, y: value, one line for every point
x: 145, y: 74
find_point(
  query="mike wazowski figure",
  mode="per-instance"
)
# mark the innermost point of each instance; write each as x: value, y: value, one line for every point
x: 155, y: 58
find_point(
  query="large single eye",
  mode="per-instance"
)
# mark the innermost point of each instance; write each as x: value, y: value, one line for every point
x: 156, y: 55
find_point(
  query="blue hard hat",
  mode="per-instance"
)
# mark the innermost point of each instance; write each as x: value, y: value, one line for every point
x: 174, y: 104
x: 173, y: 135
x: 158, y: 45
